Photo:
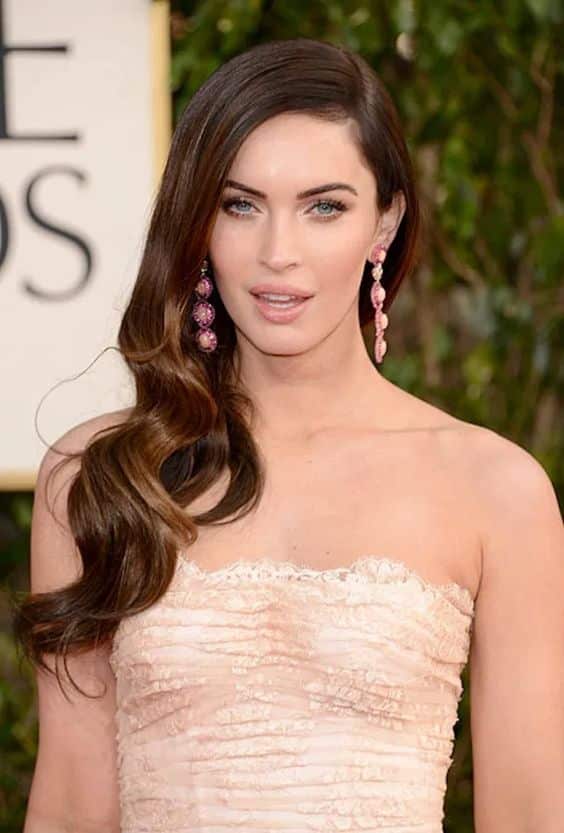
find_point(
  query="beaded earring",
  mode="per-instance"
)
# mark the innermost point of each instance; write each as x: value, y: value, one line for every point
x: 203, y: 312
x: 377, y: 295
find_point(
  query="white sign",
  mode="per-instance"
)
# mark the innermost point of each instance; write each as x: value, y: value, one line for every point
x: 84, y: 132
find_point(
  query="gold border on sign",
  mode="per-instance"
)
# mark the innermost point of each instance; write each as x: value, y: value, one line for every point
x: 160, y: 81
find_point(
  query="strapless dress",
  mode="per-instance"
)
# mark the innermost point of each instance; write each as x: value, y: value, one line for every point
x: 265, y: 696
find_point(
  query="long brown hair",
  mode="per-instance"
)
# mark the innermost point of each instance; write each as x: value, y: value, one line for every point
x: 127, y: 502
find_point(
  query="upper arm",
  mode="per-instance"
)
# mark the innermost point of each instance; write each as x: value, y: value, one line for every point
x: 517, y: 651
x: 75, y: 777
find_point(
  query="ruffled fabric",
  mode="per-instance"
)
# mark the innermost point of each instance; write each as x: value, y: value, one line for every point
x: 269, y: 697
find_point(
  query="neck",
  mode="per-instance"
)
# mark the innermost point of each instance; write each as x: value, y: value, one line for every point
x: 300, y: 395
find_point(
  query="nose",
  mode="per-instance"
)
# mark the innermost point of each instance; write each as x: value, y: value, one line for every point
x: 278, y: 249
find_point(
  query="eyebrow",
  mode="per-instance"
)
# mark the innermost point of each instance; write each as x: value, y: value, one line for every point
x: 319, y: 189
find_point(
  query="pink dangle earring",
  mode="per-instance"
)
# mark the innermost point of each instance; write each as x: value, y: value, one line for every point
x: 377, y: 295
x: 203, y: 313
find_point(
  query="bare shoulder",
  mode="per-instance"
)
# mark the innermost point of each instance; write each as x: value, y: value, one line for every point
x: 54, y: 556
x: 516, y: 487
x: 502, y: 469
x: 496, y: 468
x: 76, y: 438
x: 491, y: 459
x: 57, y: 467
x: 503, y: 496
x: 515, y: 496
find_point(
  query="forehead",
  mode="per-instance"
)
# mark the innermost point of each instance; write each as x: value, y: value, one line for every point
x: 299, y: 149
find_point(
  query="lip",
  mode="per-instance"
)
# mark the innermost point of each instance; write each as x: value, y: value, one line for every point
x: 279, y: 315
x: 280, y: 289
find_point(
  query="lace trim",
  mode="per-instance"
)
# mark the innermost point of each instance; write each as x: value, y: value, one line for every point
x: 377, y: 566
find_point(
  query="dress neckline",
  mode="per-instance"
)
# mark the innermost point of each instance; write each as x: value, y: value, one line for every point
x: 378, y: 566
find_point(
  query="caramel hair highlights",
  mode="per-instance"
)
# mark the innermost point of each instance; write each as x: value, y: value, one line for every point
x: 190, y: 423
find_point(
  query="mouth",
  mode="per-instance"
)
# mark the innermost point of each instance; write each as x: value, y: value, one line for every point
x: 280, y: 308
x: 280, y: 293
x: 279, y: 300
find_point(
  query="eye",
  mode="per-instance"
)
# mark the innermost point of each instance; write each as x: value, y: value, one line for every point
x: 333, y: 204
x: 234, y: 201
x: 337, y: 207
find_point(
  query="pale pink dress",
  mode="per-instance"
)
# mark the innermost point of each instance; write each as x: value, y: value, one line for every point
x: 270, y: 697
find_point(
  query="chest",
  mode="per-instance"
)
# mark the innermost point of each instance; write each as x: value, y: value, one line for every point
x: 325, y: 504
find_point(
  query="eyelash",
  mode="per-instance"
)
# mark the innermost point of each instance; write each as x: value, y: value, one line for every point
x: 340, y: 206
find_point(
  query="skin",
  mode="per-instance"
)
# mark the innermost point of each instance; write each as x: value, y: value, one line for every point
x: 318, y: 363
x: 323, y: 407
x: 355, y: 466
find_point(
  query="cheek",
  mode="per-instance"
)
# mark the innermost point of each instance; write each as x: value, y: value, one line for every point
x: 230, y: 253
x: 338, y: 259
x: 340, y: 238
x: 349, y: 260
x: 224, y: 232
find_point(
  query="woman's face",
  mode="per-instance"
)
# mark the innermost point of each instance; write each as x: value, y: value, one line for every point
x: 317, y: 244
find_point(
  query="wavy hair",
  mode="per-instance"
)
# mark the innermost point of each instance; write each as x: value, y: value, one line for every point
x: 127, y: 501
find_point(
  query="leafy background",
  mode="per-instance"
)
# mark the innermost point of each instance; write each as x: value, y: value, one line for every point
x: 478, y: 328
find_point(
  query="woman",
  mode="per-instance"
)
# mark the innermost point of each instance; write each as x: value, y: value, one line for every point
x: 277, y: 561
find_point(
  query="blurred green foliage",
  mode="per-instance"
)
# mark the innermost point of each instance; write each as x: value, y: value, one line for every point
x: 18, y: 710
x: 478, y: 329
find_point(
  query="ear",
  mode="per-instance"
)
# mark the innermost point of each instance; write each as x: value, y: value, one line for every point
x: 389, y: 221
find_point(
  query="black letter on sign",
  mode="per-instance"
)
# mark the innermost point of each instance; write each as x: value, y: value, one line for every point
x: 4, y: 50
x: 65, y: 294
x: 4, y: 232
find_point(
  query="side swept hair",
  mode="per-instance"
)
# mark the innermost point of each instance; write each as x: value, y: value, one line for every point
x: 127, y: 502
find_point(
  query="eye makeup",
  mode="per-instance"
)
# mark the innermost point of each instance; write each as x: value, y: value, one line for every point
x: 338, y: 207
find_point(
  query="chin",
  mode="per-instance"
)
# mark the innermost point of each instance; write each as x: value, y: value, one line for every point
x: 287, y: 344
